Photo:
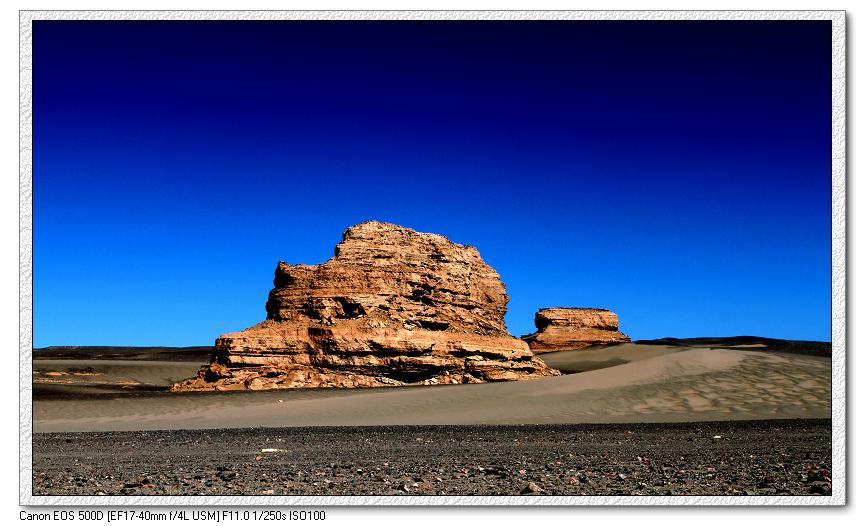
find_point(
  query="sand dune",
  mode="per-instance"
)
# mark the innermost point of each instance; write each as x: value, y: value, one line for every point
x: 604, y: 356
x: 662, y: 385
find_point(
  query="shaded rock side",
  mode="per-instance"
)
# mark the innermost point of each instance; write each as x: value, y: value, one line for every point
x: 570, y: 328
x: 392, y: 307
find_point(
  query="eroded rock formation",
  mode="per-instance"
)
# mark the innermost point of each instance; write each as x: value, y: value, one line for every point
x: 392, y: 307
x: 569, y: 328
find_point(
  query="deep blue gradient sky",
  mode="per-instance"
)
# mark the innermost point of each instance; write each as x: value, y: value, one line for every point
x: 675, y: 172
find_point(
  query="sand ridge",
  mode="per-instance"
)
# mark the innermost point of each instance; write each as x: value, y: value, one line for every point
x: 690, y: 384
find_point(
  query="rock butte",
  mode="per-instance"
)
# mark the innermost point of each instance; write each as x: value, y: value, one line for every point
x: 569, y: 328
x: 392, y: 307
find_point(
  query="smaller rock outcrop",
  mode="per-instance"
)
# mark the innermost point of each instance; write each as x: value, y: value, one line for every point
x: 571, y: 328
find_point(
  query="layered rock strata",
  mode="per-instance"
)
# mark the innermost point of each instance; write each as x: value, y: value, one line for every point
x: 392, y: 307
x: 570, y: 328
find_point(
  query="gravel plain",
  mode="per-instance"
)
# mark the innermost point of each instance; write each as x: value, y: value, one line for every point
x: 767, y: 457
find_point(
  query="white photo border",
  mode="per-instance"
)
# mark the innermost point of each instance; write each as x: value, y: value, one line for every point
x: 839, y: 278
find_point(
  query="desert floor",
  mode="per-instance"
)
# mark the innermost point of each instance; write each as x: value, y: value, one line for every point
x: 630, y: 419
x: 626, y: 383
x: 767, y: 457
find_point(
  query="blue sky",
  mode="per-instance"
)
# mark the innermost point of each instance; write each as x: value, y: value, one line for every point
x: 675, y: 172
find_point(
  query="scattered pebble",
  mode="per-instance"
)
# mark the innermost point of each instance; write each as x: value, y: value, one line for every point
x: 771, y: 458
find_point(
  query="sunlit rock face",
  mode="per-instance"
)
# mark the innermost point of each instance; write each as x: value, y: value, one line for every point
x: 570, y: 328
x: 392, y: 307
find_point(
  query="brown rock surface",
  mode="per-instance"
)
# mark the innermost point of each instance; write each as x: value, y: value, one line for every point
x: 392, y: 307
x: 569, y: 328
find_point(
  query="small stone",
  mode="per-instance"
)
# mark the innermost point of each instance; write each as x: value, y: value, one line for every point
x: 531, y: 487
x: 821, y: 489
x: 227, y: 475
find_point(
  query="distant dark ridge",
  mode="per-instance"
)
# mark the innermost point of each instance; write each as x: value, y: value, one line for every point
x: 771, y: 344
x: 109, y: 352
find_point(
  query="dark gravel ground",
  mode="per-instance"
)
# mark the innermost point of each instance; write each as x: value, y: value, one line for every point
x: 774, y: 457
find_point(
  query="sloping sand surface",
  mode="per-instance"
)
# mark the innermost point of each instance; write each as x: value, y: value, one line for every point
x: 601, y: 357
x: 687, y: 385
